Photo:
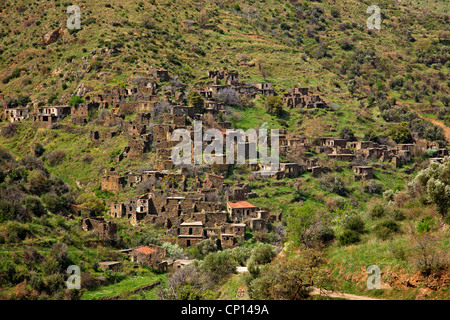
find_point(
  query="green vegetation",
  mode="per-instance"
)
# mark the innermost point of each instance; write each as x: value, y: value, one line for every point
x: 196, y: 101
x: 125, y: 286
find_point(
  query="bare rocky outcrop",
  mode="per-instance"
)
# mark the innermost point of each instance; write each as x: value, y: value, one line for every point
x: 52, y: 36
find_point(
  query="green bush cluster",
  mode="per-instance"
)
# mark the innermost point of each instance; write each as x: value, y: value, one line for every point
x: 385, y: 229
x: 353, y: 227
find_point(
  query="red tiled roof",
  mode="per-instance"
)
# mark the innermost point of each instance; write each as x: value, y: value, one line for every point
x: 145, y: 194
x: 145, y: 250
x: 240, y: 204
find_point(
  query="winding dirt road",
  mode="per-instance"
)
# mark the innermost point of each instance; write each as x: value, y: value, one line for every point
x: 432, y: 121
x: 439, y: 124
x: 333, y: 294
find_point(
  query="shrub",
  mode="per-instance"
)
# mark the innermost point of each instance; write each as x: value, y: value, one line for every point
x: 92, y: 202
x: 37, y: 181
x: 34, y: 206
x: 346, y: 44
x: 229, y: 97
x: 52, y: 98
x: 54, y: 282
x: 37, y: 283
x: 9, y: 130
x: 146, y: 238
x: 383, y: 233
x: 16, y: 231
x: 87, y: 158
x: 263, y: 253
x: 428, y: 255
x: 435, y: 180
x: 88, y: 281
x: 399, y: 252
x: 10, y: 211
x: 347, y: 133
x: 384, y: 229
x: 291, y: 278
x: 241, y: 255
x: 335, y: 12
x: 426, y: 224
x: 148, y: 22
x: 31, y: 256
x: 349, y: 237
x: 377, y: 211
x: 60, y: 253
x: 397, y: 215
x: 15, y: 74
x: 38, y: 149
x: 236, y: 7
x: 75, y: 101
x: 388, y: 195
x: 173, y: 250
x: 326, y: 234
x: 97, y: 64
x: 53, y: 203
x: 23, y: 100
x: 219, y: 265
x: 206, y: 246
x: 400, y: 134
x: 8, y: 272
x: 253, y: 269
x: 187, y: 283
x: 396, y: 83
x: 195, y: 100
x: 372, y: 187
x: 274, y: 105
x: 354, y: 223
x: 50, y: 266
x: 56, y: 157
x: 334, y: 184
x: 130, y: 59
x: 301, y: 226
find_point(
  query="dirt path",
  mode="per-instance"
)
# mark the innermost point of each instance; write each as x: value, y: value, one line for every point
x: 433, y: 121
x: 333, y: 294
x: 322, y: 292
x: 439, y: 124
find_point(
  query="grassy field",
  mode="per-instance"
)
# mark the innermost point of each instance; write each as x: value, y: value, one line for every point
x: 124, y: 287
x: 234, y: 289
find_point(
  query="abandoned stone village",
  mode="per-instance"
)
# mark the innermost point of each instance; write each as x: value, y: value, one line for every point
x: 192, y: 207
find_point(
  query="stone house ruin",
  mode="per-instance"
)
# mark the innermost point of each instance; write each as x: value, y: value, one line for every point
x: 16, y: 114
x: 231, y: 77
x: 81, y: 113
x: 363, y: 172
x: 150, y: 255
x: 301, y: 98
x: 107, y: 230
x: 110, y: 265
x: 112, y: 181
x: 97, y: 136
x: 265, y: 88
x: 241, y: 210
x: 46, y: 116
x: 161, y: 75
x: 190, y: 233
